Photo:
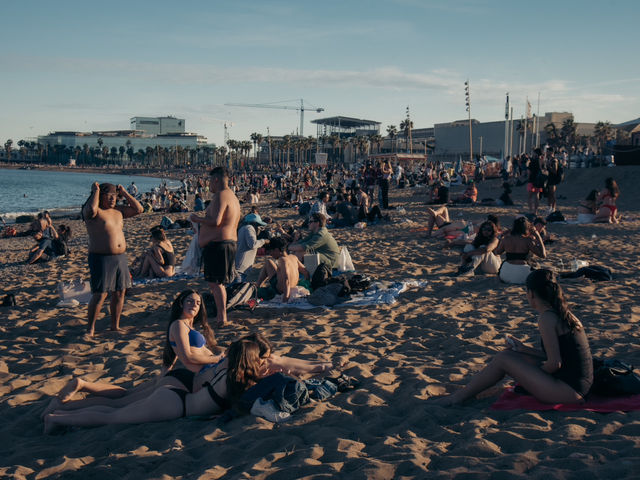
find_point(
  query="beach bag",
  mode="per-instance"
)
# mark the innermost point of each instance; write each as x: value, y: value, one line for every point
x: 9, y: 300
x: 555, y: 217
x: 613, y: 378
x: 75, y: 292
x: 344, y: 261
x: 166, y: 223
x: 241, y: 295
x: 321, y: 276
x: 193, y: 258
x: 593, y: 272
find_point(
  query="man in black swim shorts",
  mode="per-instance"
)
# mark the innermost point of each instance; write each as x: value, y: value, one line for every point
x: 218, y: 237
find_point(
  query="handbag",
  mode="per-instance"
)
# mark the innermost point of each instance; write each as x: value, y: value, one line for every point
x: 613, y: 378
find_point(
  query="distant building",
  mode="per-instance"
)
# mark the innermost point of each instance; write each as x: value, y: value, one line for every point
x: 158, y: 125
x: 146, y: 132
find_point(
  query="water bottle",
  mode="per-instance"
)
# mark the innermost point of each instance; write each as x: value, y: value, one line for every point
x: 561, y: 265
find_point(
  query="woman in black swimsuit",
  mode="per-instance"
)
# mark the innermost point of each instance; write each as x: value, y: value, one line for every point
x: 233, y: 375
x: 160, y: 259
x: 561, y: 372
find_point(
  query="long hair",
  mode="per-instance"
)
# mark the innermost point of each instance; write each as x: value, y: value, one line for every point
x: 481, y: 238
x: 244, y: 367
x: 169, y: 355
x: 612, y: 186
x: 543, y: 284
x: 593, y: 194
x: 263, y: 344
x: 520, y: 226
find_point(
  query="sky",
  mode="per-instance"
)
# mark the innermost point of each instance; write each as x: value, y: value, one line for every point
x: 85, y: 65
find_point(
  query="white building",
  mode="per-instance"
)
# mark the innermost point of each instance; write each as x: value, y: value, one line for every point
x: 146, y: 132
x: 158, y: 125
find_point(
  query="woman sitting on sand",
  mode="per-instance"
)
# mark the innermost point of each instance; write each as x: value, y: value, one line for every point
x: 587, y: 208
x: 195, y: 351
x: 479, y: 253
x: 159, y: 261
x: 607, y: 202
x: 518, y: 244
x: 560, y: 372
x: 231, y: 377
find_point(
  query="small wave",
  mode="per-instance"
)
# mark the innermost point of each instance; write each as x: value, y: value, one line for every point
x: 10, y: 217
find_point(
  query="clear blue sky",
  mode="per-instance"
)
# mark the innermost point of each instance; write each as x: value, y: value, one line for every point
x: 83, y: 65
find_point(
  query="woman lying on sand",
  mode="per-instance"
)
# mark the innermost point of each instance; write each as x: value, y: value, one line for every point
x: 195, y: 351
x: 439, y: 216
x: 521, y: 241
x: 561, y: 372
x: 231, y: 377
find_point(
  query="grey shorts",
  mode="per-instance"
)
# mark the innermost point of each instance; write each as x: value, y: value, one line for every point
x: 109, y: 273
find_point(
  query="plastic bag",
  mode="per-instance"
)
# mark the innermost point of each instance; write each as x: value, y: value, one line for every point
x: 193, y: 258
x: 74, y: 293
x: 344, y: 261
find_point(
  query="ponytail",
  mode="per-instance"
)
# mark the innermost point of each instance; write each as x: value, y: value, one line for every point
x: 543, y: 283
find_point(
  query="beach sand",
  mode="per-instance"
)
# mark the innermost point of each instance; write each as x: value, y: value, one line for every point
x: 426, y: 344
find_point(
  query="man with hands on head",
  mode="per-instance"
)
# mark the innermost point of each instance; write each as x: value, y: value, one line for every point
x: 108, y: 264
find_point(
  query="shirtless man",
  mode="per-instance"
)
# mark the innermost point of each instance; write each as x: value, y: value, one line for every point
x: 218, y: 238
x: 107, y: 258
x: 284, y: 273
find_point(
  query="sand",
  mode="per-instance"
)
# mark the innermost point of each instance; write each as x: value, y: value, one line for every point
x: 424, y: 345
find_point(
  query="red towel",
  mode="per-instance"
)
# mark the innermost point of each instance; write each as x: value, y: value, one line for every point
x: 509, y: 400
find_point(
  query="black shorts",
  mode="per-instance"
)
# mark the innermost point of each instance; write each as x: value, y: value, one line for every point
x: 109, y: 273
x: 219, y: 259
x: 184, y: 376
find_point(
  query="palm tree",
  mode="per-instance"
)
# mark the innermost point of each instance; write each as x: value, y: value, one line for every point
x: 392, y: 132
x: 7, y: 148
x: 552, y: 134
x: 257, y: 140
x: 405, y: 126
x: 286, y: 143
x: 602, y: 133
x: 568, y: 133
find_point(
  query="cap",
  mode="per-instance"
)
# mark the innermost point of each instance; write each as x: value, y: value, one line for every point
x: 254, y: 218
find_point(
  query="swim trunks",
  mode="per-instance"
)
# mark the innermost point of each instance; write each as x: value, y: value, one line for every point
x: 219, y: 261
x: 109, y: 273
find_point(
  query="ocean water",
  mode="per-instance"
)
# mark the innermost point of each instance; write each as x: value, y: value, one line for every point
x: 29, y: 191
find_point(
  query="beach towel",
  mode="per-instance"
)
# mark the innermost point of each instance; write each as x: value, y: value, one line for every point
x: 509, y: 400
x: 379, y: 293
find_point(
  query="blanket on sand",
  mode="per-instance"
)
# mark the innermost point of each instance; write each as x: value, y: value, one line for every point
x: 510, y: 400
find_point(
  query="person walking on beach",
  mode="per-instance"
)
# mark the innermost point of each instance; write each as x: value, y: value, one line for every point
x: 107, y: 249
x: 218, y: 238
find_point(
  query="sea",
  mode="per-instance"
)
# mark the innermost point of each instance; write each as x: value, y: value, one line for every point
x: 25, y: 192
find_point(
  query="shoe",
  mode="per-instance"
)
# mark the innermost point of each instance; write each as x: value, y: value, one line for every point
x: 465, y: 271
x: 344, y: 382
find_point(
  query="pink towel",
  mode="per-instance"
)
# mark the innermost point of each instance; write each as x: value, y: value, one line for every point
x: 509, y: 400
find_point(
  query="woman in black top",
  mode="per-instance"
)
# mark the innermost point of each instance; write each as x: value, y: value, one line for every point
x: 560, y: 372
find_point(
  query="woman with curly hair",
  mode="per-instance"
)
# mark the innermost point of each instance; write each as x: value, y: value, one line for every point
x: 479, y: 253
x: 561, y: 371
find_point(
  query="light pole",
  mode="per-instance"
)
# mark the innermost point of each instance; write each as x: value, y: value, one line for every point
x: 468, y: 104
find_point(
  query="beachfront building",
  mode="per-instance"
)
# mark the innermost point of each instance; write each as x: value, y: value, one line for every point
x: 150, y: 138
x: 450, y: 141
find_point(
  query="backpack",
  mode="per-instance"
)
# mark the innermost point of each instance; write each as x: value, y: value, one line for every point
x: 612, y: 378
x: 555, y: 217
x: 239, y: 296
x: 321, y: 276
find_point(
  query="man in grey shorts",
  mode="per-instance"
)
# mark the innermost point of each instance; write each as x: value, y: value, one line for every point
x: 107, y: 247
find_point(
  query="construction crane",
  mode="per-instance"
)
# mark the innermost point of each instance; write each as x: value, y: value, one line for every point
x: 301, y: 109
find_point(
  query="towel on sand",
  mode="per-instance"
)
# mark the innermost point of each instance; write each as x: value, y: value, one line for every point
x: 509, y: 400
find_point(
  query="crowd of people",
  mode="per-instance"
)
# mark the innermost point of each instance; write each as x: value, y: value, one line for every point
x: 212, y: 379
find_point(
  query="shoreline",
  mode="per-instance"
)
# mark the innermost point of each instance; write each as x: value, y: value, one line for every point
x: 138, y: 172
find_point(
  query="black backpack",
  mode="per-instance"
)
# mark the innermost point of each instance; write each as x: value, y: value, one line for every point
x: 321, y: 276
x: 613, y: 378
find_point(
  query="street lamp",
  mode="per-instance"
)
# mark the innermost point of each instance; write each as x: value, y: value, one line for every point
x: 468, y: 105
